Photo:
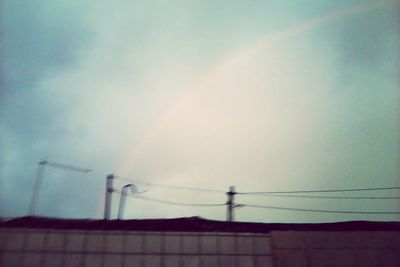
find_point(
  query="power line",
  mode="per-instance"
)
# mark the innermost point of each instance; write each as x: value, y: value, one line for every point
x: 171, y: 186
x: 320, y: 191
x: 138, y: 192
x: 269, y: 192
x: 325, y: 197
x: 324, y: 211
x: 177, y: 203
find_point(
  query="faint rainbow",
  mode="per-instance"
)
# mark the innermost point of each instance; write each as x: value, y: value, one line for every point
x: 236, y: 60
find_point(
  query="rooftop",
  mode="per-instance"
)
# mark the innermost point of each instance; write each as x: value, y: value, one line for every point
x: 192, y: 224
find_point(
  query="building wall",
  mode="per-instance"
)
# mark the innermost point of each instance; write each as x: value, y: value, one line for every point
x: 334, y: 249
x: 67, y: 248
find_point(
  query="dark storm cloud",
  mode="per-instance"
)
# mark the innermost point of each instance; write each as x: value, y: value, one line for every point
x: 364, y: 39
x: 365, y: 140
x: 38, y: 40
x: 35, y: 45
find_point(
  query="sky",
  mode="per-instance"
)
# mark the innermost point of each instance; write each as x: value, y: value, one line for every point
x: 262, y: 95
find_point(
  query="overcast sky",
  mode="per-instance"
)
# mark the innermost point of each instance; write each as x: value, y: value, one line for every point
x: 263, y: 95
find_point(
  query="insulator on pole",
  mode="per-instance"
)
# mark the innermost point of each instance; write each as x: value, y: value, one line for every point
x: 230, y: 204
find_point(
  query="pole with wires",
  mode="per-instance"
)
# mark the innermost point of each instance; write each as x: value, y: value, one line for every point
x: 35, y: 192
x: 39, y: 179
x: 108, y: 198
x: 230, y: 204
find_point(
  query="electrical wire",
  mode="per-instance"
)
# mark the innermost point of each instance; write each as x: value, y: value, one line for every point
x: 325, y: 197
x: 320, y: 191
x: 171, y: 186
x: 272, y: 192
x: 324, y: 211
x: 256, y: 206
x: 177, y: 203
x: 138, y: 192
x: 269, y: 194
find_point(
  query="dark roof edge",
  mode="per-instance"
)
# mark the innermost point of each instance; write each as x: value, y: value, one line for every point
x: 192, y: 224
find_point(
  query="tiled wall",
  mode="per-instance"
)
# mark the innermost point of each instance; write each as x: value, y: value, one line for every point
x: 336, y: 249
x: 67, y: 248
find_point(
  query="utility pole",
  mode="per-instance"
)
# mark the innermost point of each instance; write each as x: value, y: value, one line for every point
x: 36, y: 187
x: 109, y: 190
x: 230, y: 204
x: 39, y: 179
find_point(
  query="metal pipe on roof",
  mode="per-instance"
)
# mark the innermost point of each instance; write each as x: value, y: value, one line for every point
x: 122, y: 199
